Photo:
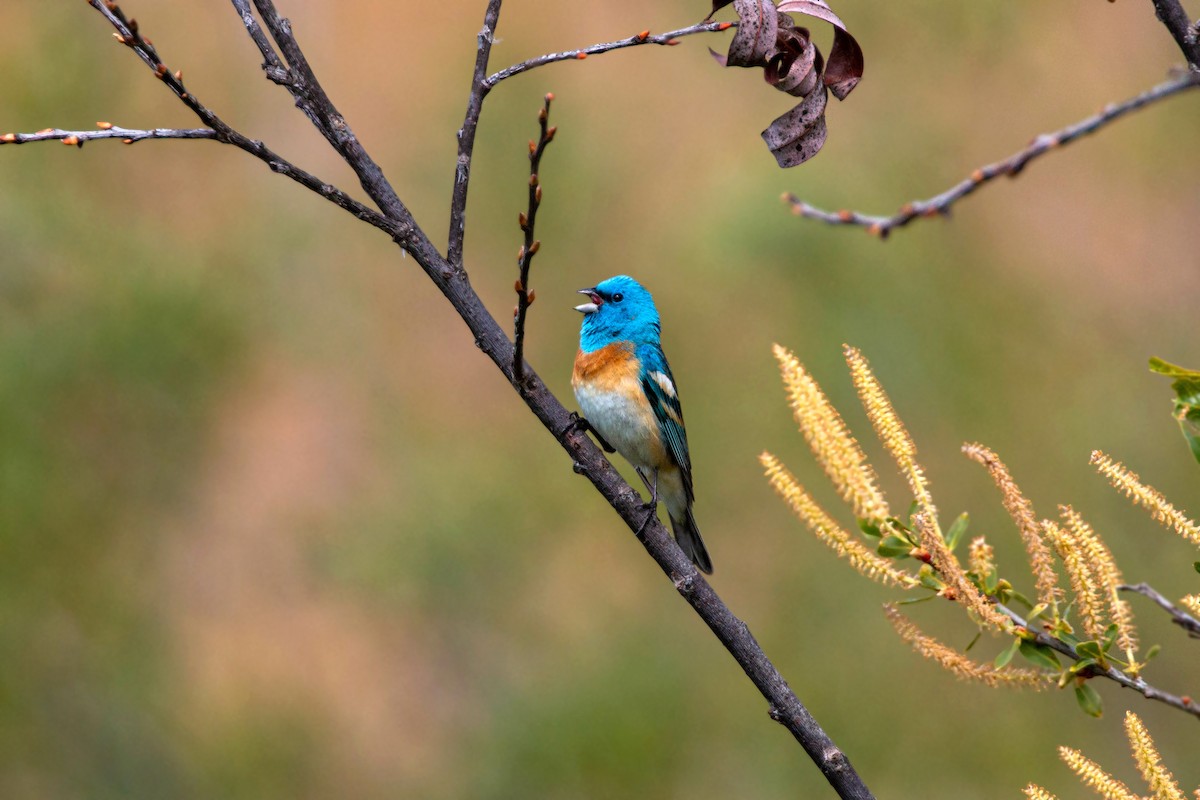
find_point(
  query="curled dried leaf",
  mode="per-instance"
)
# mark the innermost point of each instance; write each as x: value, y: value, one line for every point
x: 796, y: 136
x: 797, y: 65
x: 755, y: 40
x: 845, y: 67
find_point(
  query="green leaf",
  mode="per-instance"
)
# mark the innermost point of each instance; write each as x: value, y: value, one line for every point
x: 1089, y: 699
x: 893, y: 547
x: 1186, y: 384
x: 1082, y: 664
x: 957, y: 530
x: 1007, y: 654
x: 1039, y: 654
x: 1110, y: 636
x: 1196, y: 566
x: 869, y: 528
x: 929, y: 580
x: 1089, y: 649
x: 1151, y: 653
x: 974, y: 641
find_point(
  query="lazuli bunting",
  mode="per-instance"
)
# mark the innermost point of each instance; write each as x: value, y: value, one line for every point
x: 626, y: 392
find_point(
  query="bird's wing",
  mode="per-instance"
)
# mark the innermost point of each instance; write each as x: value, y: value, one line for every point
x: 659, y: 386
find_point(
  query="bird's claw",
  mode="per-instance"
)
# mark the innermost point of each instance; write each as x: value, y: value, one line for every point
x: 579, y: 423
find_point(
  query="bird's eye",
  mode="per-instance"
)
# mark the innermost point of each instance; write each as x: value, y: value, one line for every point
x: 618, y: 297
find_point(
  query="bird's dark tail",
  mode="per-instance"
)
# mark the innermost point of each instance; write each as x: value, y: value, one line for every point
x: 688, y: 536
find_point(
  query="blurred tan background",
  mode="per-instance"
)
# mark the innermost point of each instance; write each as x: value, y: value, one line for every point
x: 270, y: 526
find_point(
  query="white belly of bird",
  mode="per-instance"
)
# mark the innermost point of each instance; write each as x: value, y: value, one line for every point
x: 623, y: 423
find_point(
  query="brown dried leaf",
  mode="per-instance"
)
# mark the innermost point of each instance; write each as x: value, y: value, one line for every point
x: 797, y: 135
x: 758, y: 27
x: 845, y: 67
x: 797, y: 65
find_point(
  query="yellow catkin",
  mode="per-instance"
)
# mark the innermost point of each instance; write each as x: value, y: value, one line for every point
x: 1041, y: 561
x: 1160, y: 780
x: 835, y: 449
x: 1146, y: 496
x: 982, y: 559
x: 1035, y: 792
x: 952, y: 573
x: 890, y: 429
x: 1093, y: 776
x: 1104, y: 568
x: 959, y: 664
x: 1192, y: 603
x: 1088, y: 599
x: 861, y: 558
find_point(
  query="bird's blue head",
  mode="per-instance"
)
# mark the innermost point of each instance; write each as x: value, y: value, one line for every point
x: 619, y: 310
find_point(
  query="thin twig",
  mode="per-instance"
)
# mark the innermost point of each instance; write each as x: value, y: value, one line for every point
x: 1137, y: 684
x: 466, y: 135
x: 784, y: 706
x: 1171, y: 14
x: 108, y: 131
x: 645, y: 37
x: 272, y: 64
x: 525, y: 295
x: 1178, y: 615
x: 1009, y: 167
x: 128, y: 34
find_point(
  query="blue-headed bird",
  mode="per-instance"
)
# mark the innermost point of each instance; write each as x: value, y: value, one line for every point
x: 627, y: 394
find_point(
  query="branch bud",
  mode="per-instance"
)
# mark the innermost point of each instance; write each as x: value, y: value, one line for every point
x: 537, y: 245
x: 179, y: 75
x: 104, y: 126
x: 537, y: 195
x: 160, y: 70
x: 643, y: 36
x: 724, y: 26
x: 72, y: 140
x: 8, y: 138
x: 531, y: 298
x: 550, y: 133
x: 518, y: 287
x: 845, y: 216
x: 581, y: 56
x: 521, y: 256
x: 522, y: 220
x: 671, y: 42
x: 549, y: 98
x: 533, y: 179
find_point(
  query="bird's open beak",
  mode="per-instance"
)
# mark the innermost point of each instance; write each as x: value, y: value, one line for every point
x: 592, y: 307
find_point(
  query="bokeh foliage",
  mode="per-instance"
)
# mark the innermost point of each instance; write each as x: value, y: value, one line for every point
x: 270, y: 526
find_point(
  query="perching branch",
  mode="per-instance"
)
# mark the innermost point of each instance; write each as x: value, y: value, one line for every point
x: 1178, y: 615
x: 294, y: 72
x: 1010, y: 167
x: 525, y: 295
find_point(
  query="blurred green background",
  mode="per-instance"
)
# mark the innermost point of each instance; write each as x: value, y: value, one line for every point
x: 271, y: 526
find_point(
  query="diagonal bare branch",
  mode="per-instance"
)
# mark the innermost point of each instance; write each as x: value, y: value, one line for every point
x: 1178, y: 615
x: 940, y: 205
x: 1171, y: 14
x: 105, y: 130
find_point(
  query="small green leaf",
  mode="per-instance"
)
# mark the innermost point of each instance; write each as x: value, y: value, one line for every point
x: 1089, y: 649
x: 1082, y: 664
x: 1039, y: 654
x: 893, y: 547
x: 1089, y: 699
x: 1110, y: 636
x: 1196, y: 566
x: 1186, y: 384
x: 1151, y: 653
x: 1007, y: 654
x: 910, y: 600
x: 930, y: 580
x: 974, y: 641
x: 869, y: 528
x: 957, y: 530
x: 1035, y: 611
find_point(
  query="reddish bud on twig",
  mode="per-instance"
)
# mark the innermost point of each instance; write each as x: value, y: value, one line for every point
x: 537, y: 245
x: 104, y: 126
x: 119, y: 38
x: 71, y: 140
x: 127, y: 141
x: 514, y: 312
x: 160, y: 70
x: 550, y: 133
x: 724, y: 26
x: 133, y: 26
x: 531, y: 298
x: 537, y: 195
x: 845, y: 216
x: 522, y: 220
x: 8, y: 138
x: 643, y: 36
x: 671, y: 42
x: 179, y: 75
x: 907, y: 209
x: 542, y: 114
x: 533, y: 179
x: 581, y: 56
x: 549, y: 97
x: 44, y: 131
x: 521, y: 256
x: 517, y: 286
x: 875, y: 229
x: 532, y: 147
x: 977, y: 176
